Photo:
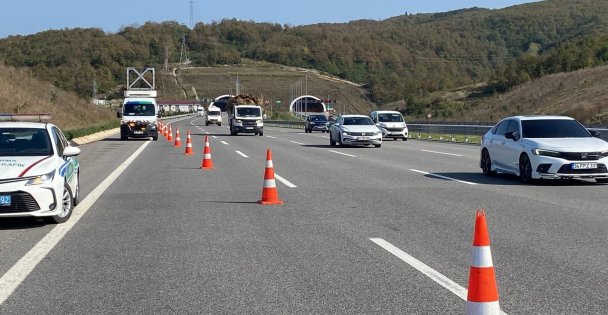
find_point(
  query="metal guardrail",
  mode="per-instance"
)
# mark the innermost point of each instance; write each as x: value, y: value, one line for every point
x: 453, y: 132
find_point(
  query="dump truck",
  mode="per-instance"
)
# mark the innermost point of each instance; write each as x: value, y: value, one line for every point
x: 245, y: 115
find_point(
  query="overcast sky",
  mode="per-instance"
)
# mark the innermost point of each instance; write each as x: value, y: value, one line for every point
x: 22, y: 17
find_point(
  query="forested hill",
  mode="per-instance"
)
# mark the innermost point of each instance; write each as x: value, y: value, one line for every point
x: 398, y: 58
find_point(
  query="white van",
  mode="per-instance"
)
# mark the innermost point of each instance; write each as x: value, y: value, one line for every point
x: 214, y: 116
x: 200, y: 112
x: 391, y: 123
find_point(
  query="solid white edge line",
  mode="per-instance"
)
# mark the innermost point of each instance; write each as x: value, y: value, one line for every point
x: 241, y: 154
x: 444, y: 153
x: 341, y: 153
x: 297, y: 142
x: 224, y: 142
x: 423, y: 268
x: 443, y: 177
x: 284, y: 181
x: 22, y: 268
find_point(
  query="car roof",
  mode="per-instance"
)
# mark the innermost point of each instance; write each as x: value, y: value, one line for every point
x: 352, y: 115
x: 22, y: 124
x: 386, y: 112
x: 540, y: 117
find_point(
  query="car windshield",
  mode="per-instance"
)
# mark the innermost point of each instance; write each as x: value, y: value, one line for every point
x: 139, y: 109
x: 357, y: 121
x: 24, y: 142
x: 390, y: 118
x: 553, y: 128
x: 214, y: 113
x: 317, y: 118
x: 248, y: 112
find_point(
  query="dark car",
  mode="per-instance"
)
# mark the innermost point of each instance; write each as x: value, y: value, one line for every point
x: 316, y: 122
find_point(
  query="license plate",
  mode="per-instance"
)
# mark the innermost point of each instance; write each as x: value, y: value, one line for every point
x: 363, y: 138
x: 248, y: 127
x: 138, y: 132
x: 584, y: 166
x: 5, y: 200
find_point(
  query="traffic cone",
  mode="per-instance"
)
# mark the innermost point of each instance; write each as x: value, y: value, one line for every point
x: 165, y: 131
x: 178, y: 140
x: 270, y: 196
x: 188, y: 145
x: 207, y: 163
x: 170, y: 137
x: 482, y: 297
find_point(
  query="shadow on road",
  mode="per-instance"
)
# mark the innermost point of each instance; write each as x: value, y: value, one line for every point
x: 21, y: 223
x: 228, y: 202
x: 510, y: 180
x: 118, y: 139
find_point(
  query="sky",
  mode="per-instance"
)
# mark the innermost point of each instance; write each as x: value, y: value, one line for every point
x: 24, y: 17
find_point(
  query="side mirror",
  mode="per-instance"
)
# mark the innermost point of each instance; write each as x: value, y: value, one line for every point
x: 159, y: 115
x: 337, y: 124
x: 513, y: 135
x: 118, y: 114
x: 71, y: 151
x: 595, y: 133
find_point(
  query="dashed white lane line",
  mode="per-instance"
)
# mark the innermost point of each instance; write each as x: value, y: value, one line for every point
x: 341, y: 153
x: 22, y: 268
x: 214, y: 137
x: 444, y: 153
x: 241, y: 154
x: 271, y: 137
x: 435, y: 275
x: 443, y: 177
x: 284, y: 181
x: 423, y: 268
x: 224, y: 142
x: 297, y: 142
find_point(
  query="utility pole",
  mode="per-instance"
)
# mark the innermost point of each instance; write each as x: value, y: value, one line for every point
x: 95, y: 92
x: 191, y: 14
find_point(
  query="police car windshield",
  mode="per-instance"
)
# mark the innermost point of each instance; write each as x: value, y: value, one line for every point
x: 24, y: 142
x: 390, y: 118
x: 139, y: 109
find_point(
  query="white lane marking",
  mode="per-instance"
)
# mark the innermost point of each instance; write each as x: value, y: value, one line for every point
x: 283, y: 131
x: 443, y: 177
x: 297, y: 142
x: 284, y: 181
x: 444, y: 153
x: 271, y: 137
x: 341, y: 153
x: 22, y: 268
x: 423, y: 268
x: 214, y: 137
x: 224, y: 142
x: 241, y: 154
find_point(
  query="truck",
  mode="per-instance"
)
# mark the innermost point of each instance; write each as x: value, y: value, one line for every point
x: 139, y: 112
x: 213, y: 116
x: 245, y: 115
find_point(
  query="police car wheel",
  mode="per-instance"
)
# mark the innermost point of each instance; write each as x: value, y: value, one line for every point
x: 67, y: 205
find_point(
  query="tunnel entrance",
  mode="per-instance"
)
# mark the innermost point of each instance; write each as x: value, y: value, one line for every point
x: 307, y: 104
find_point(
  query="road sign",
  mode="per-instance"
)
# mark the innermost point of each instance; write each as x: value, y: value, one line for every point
x: 278, y: 102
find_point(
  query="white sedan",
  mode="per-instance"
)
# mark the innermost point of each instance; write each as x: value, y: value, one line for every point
x: 38, y: 172
x: 354, y: 130
x: 549, y: 147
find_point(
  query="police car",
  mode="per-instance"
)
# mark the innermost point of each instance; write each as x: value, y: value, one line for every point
x: 39, y: 170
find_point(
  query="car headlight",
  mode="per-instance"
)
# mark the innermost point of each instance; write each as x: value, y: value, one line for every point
x: 41, y: 179
x: 259, y: 121
x: 377, y: 133
x: 345, y: 133
x: 546, y: 152
x: 238, y: 121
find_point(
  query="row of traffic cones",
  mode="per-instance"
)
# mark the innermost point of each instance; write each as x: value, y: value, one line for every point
x: 270, y: 194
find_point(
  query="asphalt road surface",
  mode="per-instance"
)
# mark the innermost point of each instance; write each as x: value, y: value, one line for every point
x: 168, y: 237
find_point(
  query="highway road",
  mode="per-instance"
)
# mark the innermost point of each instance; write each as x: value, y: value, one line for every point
x: 167, y: 237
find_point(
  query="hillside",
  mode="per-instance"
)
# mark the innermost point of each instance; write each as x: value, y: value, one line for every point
x: 396, y: 58
x: 20, y: 92
x: 272, y: 82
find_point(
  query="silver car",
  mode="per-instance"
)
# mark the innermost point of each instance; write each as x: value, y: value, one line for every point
x: 355, y: 130
x: 549, y: 147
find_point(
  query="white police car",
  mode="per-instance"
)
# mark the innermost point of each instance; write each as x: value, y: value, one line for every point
x: 38, y: 171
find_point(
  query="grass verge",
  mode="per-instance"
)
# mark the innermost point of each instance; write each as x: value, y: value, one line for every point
x: 81, y: 132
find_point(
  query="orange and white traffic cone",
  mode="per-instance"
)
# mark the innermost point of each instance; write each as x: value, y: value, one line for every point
x: 482, y: 297
x: 207, y: 163
x: 178, y: 140
x: 188, y: 145
x: 270, y: 195
x: 170, y: 137
x: 165, y: 131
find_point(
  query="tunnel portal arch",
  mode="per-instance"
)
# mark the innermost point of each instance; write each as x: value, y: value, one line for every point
x: 307, y: 104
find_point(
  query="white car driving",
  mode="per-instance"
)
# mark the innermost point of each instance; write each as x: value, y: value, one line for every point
x: 549, y: 147
x: 39, y: 172
x: 391, y: 123
x: 354, y: 130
